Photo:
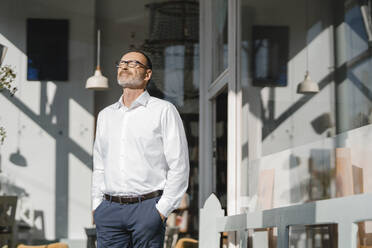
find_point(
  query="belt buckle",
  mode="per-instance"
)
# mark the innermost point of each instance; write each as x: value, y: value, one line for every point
x: 120, y: 198
x: 141, y: 198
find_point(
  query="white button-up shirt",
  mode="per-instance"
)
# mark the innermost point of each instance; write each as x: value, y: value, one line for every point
x: 139, y: 150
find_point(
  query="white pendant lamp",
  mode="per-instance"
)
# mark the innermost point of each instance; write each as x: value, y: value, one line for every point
x: 98, y: 81
x: 307, y: 86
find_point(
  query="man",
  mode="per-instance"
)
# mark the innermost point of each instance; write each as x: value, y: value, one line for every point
x: 140, y: 162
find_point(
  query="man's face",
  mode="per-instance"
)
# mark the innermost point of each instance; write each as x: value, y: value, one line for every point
x: 136, y: 77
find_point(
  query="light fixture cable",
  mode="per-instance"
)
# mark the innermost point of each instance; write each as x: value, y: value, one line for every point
x: 307, y: 34
x: 98, y: 48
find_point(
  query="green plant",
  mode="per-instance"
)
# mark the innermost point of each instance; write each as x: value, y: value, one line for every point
x: 7, y: 76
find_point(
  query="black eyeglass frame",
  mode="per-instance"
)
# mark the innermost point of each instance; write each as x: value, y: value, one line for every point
x: 119, y: 64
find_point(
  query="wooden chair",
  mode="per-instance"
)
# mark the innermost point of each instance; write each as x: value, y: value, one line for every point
x: 8, y: 205
x: 187, y: 243
x: 54, y: 245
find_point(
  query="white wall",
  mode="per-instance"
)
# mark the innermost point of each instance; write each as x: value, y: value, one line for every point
x: 51, y: 123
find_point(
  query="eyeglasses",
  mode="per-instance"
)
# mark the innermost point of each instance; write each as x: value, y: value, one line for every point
x: 129, y: 63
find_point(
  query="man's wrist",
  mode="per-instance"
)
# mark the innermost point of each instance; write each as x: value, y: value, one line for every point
x: 161, y: 216
x: 163, y: 207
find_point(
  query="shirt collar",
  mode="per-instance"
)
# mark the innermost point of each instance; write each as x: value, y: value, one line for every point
x: 141, y: 100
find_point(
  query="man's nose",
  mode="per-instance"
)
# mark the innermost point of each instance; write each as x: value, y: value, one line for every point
x: 123, y: 67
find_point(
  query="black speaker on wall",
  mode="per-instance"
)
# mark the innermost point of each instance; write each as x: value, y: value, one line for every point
x: 47, y: 49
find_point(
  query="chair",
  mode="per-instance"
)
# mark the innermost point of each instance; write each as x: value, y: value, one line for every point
x: 187, y: 243
x: 8, y: 206
x: 54, y: 245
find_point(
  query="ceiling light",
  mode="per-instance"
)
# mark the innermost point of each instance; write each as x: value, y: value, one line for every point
x: 97, y: 81
x: 307, y: 86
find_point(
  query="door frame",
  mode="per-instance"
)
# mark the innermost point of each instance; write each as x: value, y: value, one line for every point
x: 208, y: 90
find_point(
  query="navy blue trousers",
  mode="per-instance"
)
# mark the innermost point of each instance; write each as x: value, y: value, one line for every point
x: 129, y: 225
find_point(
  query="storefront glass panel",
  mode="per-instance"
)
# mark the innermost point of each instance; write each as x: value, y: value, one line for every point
x: 220, y: 34
x: 299, y: 148
x: 353, y: 70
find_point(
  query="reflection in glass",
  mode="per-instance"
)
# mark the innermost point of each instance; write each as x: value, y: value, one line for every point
x: 297, y: 139
x: 282, y: 119
x: 220, y: 37
x: 364, y: 234
x: 265, y: 237
x: 173, y: 46
x: 334, y: 167
x: 220, y: 149
x: 354, y: 88
x: 319, y: 236
x: 270, y: 55
x: 175, y: 79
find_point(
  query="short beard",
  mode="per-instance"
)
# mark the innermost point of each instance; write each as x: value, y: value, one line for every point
x: 132, y: 84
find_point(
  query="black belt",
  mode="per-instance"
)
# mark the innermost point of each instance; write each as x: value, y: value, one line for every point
x: 132, y: 199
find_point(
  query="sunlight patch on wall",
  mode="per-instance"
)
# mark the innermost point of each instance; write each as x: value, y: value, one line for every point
x: 79, y: 216
x: 27, y: 91
x: 80, y: 126
x: 51, y: 89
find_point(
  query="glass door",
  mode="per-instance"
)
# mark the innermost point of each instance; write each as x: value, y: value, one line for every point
x: 220, y: 107
x: 219, y: 103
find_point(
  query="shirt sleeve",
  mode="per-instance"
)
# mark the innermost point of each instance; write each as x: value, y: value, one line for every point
x: 176, y: 154
x: 98, y: 168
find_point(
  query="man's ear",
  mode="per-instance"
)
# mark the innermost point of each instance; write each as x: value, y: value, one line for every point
x: 148, y: 74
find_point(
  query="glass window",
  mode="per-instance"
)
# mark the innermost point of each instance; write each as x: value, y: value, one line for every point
x: 353, y: 73
x: 301, y: 148
x: 220, y: 148
x: 220, y: 36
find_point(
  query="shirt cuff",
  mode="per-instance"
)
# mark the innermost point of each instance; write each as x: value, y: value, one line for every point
x: 164, y: 207
x: 96, y: 203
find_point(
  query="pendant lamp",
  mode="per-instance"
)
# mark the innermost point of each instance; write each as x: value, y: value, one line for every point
x: 97, y: 81
x: 307, y: 86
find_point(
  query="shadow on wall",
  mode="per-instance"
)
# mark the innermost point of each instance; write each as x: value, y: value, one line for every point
x: 54, y: 113
x: 55, y: 123
x: 31, y: 224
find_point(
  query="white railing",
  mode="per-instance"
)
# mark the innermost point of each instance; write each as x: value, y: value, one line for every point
x: 346, y: 212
